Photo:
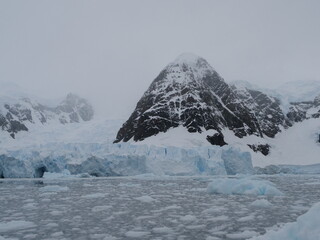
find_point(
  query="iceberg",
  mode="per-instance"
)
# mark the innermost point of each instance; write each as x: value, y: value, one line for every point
x: 243, y: 186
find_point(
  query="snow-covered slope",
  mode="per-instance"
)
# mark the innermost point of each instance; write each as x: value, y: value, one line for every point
x: 298, y: 145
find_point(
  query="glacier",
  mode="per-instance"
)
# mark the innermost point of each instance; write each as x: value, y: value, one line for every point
x: 123, y: 159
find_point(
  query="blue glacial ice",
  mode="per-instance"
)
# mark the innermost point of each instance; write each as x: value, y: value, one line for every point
x: 123, y: 159
x: 237, y: 162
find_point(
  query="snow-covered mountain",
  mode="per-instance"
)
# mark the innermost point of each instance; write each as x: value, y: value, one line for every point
x: 18, y: 114
x: 189, y: 93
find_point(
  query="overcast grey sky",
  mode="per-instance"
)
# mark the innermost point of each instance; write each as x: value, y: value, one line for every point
x: 110, y: 51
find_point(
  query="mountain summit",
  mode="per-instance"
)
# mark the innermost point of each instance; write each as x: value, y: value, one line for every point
x: 188, y: 92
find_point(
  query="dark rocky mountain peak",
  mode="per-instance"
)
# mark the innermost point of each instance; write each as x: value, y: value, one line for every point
x: 189, y: 92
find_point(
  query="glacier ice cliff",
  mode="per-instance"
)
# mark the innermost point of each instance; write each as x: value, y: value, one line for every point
x: 123, y: 159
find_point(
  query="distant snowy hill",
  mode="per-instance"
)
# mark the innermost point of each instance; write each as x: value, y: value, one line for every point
x: 19, y: 113
x: 290, y: 92
x: 299, y: 91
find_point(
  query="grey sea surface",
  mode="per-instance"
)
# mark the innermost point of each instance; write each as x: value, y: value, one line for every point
x: 146, y: 208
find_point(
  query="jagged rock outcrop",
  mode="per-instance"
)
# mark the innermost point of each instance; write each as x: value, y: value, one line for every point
x: 263, y: 148
x: 15, y: 116
x: 217, y: 139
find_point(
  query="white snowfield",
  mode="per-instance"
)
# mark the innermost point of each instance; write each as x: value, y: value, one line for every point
x: 305, y: 228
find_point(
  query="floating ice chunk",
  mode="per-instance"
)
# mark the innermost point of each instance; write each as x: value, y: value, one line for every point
x: 56, y: 213
x: 188, y: 218
x: 144, y: 217
x: 172, y: 207
x: 64, y: 174
x: 242, y: 235
x: 261, y: 203
x: 136, y: 234
x: 53, y: 188
x: 94, y: 195
x: 165, y: 230
x: 100, y: 208
x: 129, y: 185
x: 246, y: 218
x: 145, y: 199
x: 213, y: 210
x: 30, y: 206
x: 52, y: 225
x: 243, y: 186
x: 312, y: 183
x: 109, y: 237
x: 212, y: 238
x: 195, y: 227
x: 218, y: 218
x: 27, y: 236
x: 305, y: 228
x: 57, y: 234
x: 15, y: 225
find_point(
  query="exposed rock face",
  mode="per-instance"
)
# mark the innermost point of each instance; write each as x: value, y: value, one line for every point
x: 266, y: 109
x: 217, y: 139
x: 263, y: 148
x: 16, y: 116
x: 189, y: 92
